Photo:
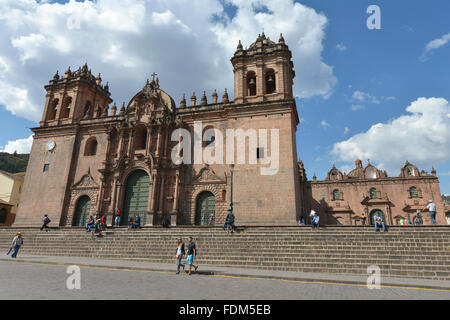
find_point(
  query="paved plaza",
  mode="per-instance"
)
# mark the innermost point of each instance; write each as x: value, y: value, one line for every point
x: 38, y: 279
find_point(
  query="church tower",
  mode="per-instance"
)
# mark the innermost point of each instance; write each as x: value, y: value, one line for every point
x: 75, y: 96
x: 263, y: 72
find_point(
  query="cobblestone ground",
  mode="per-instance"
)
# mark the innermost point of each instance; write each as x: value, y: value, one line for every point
x: 38, y: 281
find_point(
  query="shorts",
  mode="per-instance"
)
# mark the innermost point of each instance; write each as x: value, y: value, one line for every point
x: 117, y: 219
x: 190, y: 259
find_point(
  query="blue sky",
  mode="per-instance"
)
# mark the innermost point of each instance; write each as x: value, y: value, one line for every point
x: 369, y: 76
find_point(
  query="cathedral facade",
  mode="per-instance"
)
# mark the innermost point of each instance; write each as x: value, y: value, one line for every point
x: 91, y: 158
x: 343, y: 198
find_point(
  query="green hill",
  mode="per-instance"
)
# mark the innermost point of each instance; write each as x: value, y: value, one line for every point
x: 13, y: 163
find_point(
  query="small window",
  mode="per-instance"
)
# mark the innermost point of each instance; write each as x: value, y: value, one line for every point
x: 336, y: 195
x: 413, y: 193
x: 91, y: 147
x: 259, y: 153
x: 46, y: 167
x: 373, y: 193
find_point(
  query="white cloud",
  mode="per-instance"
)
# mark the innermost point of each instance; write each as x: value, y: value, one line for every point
x: 434, y: 45
x: 422, y: 136
x: 356, y: 107
x: 365, y: 97
x: 324, y: 124
x: 341, y: 47
x: 346, y: 130
x: 19, y: 146
x: 187, y: 42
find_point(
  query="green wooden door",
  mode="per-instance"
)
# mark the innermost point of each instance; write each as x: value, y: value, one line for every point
x: 206, y: 206
x: 136, y: 197
x: 82, y: 211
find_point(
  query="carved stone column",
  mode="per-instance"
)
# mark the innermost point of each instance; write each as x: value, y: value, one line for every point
x: 158, y: 142
x: 174, y: 213
x: 161, y: 194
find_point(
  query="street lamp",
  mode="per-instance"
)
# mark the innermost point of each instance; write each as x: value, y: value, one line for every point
x: 231, y: 187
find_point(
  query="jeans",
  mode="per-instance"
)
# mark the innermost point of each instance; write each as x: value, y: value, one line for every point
x: 16, y: 250
x: 433, y: 217
x: 44, y: 226
x: 382, y: 225
x: 229, y: 226
x: 315, y: 225
x: 179, y: 264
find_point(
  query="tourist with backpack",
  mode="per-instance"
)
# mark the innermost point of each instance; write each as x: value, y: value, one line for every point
x: 378, y: 222
x: 46, y: 220
x: 179, y: 255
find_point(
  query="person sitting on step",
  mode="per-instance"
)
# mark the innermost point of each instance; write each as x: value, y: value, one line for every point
x: 378, y: 222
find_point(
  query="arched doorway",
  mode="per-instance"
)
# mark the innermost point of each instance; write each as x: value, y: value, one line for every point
x: 136, y: 197
x: 3, y: 215
x: 206, y: 206
x: 374, y: 212
x: 82, y: 210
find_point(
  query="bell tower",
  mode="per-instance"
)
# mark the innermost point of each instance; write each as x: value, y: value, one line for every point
x: 75, y: 96
x: 263, y: 72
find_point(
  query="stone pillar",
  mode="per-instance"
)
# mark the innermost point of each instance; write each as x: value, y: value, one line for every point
x: 131, y: 144
x: 149, y: 136
x: 158, y: 143
x: 174, y: 213
x: 161, y: 194
x: 260, y: 78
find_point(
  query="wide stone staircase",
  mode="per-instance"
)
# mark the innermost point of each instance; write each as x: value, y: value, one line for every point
x: 415, y: 252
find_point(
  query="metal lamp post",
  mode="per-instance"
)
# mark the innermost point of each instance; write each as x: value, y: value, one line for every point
x: 231, y: 188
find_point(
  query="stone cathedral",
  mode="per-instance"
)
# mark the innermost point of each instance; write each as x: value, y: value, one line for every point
x: 90, y: 157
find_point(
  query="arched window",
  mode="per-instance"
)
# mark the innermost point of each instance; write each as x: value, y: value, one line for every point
x: 91, y: 147
x: 270, y: 81
x: 3, y: 215
x: 140, y: 138
x: 336, y: 195
x: 65, y: 111
x: 87, y: 110
x: 53, y: 110
x: 251, y: 84
x: 373, y: 193
x: 209, y: 137
x: 413, y: 193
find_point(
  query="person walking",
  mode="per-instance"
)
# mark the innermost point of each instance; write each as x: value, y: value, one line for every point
x: 192, y: 252
x: 179, y: 255
x: 90, y: 224
x: 16, y: 244
x: 230, y: 221
x: 431, y: 206
x: 46, y: 220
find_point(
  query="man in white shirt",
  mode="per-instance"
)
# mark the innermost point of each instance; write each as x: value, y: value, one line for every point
x: 16, y: 244
x: 431, y: 206
x: 312, y: 215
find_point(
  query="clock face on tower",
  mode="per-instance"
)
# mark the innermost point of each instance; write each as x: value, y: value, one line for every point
x: 50, y: 145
